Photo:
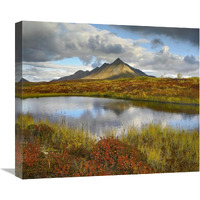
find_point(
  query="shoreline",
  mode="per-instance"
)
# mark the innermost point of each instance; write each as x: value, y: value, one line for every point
x: 107, y: 97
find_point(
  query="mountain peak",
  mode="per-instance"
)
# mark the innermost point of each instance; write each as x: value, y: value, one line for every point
x: 115, y: 70
x: 23, y: 80
x: 117, y: 61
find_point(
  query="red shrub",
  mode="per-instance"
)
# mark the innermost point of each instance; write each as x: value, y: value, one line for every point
x: 112, y: 157
x: 62, y: 163
x: 31, y: 153
x: 18, y: 153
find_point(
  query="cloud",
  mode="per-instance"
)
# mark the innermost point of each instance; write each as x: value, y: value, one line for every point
x: 44, y: 42
x: 18, y: 71
x: 45, y: 71
x: 191, y: 59
x: 156, y: 43
x: 53, y: 41
x: 183, y: 34
x: 37, y: 74
x: 140, y: 41
x: 164, y: 61
x: 96, y: 44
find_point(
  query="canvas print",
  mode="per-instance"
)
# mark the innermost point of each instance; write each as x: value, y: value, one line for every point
x: 94, y: 99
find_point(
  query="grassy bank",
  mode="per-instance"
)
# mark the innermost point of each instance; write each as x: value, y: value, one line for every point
x: 166, y: 149
x: 140, y: 88
x: 55, y: 150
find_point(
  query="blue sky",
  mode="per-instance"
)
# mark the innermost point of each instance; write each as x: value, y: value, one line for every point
x: 176, y: 46
x: 68, y: 61
x: 54, y: 50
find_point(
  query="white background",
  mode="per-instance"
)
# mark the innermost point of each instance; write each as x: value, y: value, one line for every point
x: 152, y: 13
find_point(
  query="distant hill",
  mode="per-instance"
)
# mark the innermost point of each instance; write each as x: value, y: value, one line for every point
x: 23, y: 80
x: 115, y: 70
x: 77, y: 75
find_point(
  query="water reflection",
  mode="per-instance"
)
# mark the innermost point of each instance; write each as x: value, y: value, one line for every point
x: 100, y: 114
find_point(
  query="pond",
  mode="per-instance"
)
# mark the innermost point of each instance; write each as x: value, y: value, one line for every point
x: 100, y: 114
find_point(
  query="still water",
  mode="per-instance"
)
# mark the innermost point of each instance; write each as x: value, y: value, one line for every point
x: 100, y: 114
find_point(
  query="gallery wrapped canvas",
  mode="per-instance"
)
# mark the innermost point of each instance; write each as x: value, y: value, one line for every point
x: 94, y: 99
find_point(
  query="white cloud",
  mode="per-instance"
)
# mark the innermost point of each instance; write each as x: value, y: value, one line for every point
x: 164, y: 62
x: 43, y: 42
x: 44, y: 71
x: 53, y: 41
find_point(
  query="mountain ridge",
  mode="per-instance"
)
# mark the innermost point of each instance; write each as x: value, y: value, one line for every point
x: 23, y: 80
x: 114, y: 70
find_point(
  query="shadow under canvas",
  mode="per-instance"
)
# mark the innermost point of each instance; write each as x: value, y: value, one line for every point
x: 9, y: 170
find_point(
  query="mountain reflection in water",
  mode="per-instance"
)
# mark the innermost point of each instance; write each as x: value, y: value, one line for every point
x: 100, y: 114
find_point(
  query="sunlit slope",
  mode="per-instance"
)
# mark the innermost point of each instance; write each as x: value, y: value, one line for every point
x: 117, y: 69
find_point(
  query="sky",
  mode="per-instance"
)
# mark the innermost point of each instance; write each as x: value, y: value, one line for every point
x: 53, y: 50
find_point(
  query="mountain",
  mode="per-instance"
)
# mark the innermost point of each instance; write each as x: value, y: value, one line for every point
x: 77, y: 75
x: 23, y: 80
x: 81, y: 74
x: 117, y: 69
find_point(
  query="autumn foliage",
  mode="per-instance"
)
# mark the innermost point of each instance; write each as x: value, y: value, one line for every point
x: 48, y: 150
x: 40, y: 156
x: 185, y: 90
x: 31, y: 153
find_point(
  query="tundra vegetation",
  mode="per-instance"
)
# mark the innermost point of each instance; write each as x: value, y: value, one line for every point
x: 185, y: 90
x: 46, y: 149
